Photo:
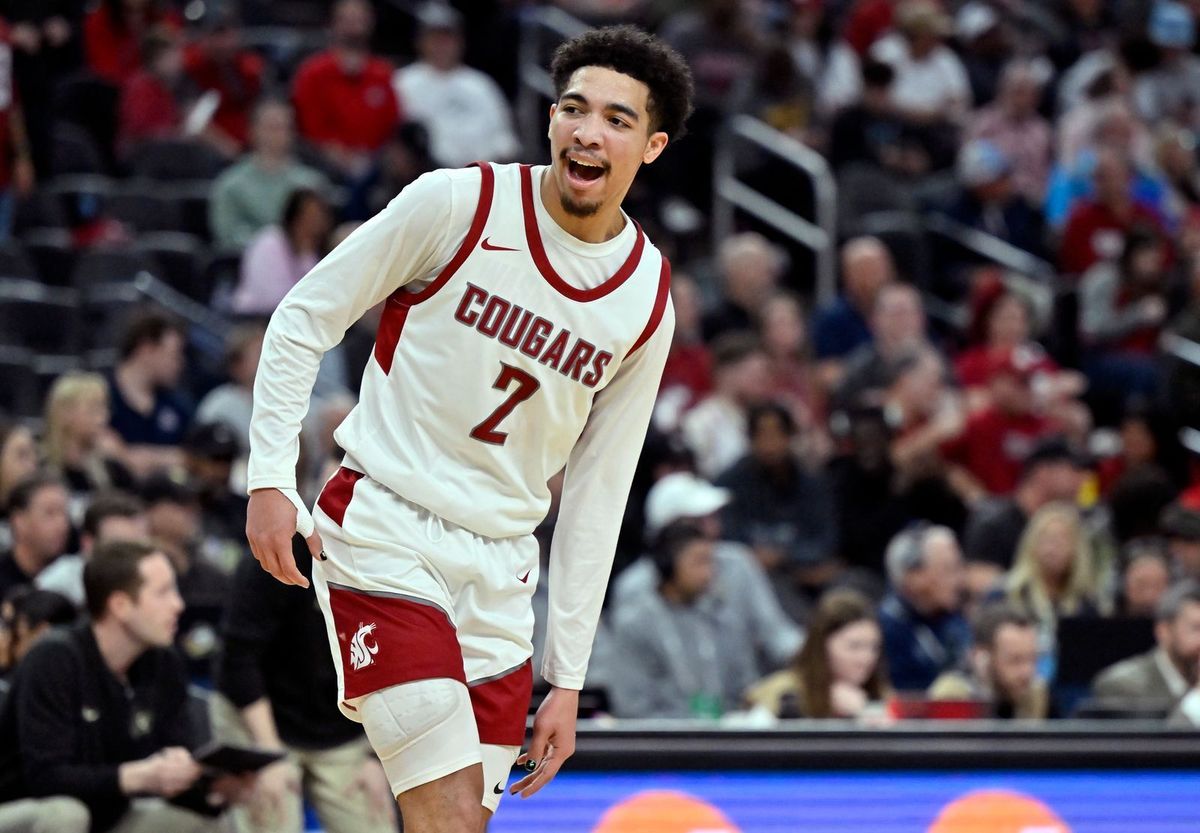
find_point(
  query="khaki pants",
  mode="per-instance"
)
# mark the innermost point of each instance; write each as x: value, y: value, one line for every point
x: 153, y: 815
x: 325, y: 776
x: 57, y: 814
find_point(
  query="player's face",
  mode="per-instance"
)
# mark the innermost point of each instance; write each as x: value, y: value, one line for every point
x: 600, y: 134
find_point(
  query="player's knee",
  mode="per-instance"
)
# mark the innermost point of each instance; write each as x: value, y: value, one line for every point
x: 413, y: 724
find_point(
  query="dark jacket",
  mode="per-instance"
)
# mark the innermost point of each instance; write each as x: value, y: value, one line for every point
x: 920, y: 648
x: 68, y: 723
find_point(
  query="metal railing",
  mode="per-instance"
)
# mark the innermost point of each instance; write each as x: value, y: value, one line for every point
x: 535, y: 87
x: 730, y: 195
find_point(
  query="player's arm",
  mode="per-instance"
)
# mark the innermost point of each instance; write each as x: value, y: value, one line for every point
x: 404, y: 242
x: 596, y: 488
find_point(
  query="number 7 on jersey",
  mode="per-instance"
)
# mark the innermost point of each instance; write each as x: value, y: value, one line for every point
x: 527, y: 386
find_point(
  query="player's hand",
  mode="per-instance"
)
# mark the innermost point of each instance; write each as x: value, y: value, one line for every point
x: 270, y: 525
x: 553, y: 740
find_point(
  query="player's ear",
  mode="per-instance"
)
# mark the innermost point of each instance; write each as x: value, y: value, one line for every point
x: 654, y: 146
x: 550, y: 123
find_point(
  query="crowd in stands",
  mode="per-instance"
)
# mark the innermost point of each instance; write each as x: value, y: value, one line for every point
x: 968, y: 484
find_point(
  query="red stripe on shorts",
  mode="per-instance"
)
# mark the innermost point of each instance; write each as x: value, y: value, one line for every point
x: 388, y: 640
x: 501, y: 706
x: 335, y: 497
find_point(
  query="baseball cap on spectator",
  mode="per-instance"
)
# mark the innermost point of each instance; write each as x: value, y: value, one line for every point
x: 975, y: 20
x: 212, y: 441
x: 1055, y: 450
x: 923, y: 17
x: 980, y: 162
x: 681, y: 495
x: 1171, y: 25
x: 437, y: 15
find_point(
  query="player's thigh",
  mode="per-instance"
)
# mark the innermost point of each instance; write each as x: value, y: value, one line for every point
x: 153, y: 815
x: 57, y: 814
x: 328, y: 776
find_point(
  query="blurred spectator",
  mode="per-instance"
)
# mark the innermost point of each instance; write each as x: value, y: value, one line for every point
x: 1097, y: 226
x: 111, y: 516
x: 871, y: 132
x: 931, y: 83
x: 216, y: 62
x: 1183, y: 377
x: 404, y: 158
x: 79, y: 445
x: 794, y: 382
x: 280, y: 255
x: 277, y: 689
x: 251, y: 194
x: 16, y: 161
x: 870, y: 504
x: 148, y: 413
x: 826, y: 61
x: 1052, y: 472
x: 750, y: 271
x: 867, y: 21
x: 688, y: 375
x: 841, y: 327
x: 464, y: 110
x: 1147, y: 475
x: 718, y: 39
x: 232, y: 402
x: 173, y: 516
x: 113, y: 35
x: 1145, y: 579
x: 1122, y: 309
x: 1175, y: 153
x: 679, y: 654
x: 998, y: 437
x: 100, y: 712
x: 1054, y: 575
x: 739, y: 583
x: 1014, y: 126
x: 18, y: 458
x: 150, y: 106
x: 897, y: 330
x: 1169, y: 90
x: 31, y: 613
x: 1002, y: 668
x: 1083, y: 26
x: 924, y: 633
x: 1180, y: 524
x: 209, y: 451
x: 840, y: 671
x: 1159, y: 679
x: 985, y: 44
x: 986, y: 199
x: 37, y: 513
x: 715, y: 430
x: 778, y: 508
x: 344, y: 101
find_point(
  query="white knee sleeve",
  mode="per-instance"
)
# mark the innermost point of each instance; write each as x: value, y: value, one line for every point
x: 497, y: 767
x: 421, y: 731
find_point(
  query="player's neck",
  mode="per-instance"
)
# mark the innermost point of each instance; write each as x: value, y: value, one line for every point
x: 600, y: 227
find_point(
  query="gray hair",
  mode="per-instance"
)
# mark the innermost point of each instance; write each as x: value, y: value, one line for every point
x: 906, y: 551
x: 1171, y: 604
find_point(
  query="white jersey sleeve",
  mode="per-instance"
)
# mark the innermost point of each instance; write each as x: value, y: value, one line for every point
x: 405, y: 243
x: 595, y: 491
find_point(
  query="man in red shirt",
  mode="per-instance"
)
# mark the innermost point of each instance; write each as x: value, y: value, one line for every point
x: 997, y: 439
x: 344, y: 100
x: 217, y: 62
x: 149, y: 108
x: 1096, y: 228
x: 16, y: 167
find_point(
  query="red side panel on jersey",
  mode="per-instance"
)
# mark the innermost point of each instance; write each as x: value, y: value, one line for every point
x: 500, y: 706
x: 534, y: 237
x: 335, y: 497
x: 395, y: 310
x: 386, y: 640
x: 660, y: 307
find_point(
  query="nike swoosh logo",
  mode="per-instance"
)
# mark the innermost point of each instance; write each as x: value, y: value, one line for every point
x: 498, y: 789
x: 525, y: 577
x: 489, y: 247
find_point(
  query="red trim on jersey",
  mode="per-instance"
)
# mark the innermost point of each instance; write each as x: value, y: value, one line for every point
x: 501, y: 705
x: 534, y: 238
x: 335, y: 497
x: 395, y: 310
x: 385, y: 641
x: 660, y: 307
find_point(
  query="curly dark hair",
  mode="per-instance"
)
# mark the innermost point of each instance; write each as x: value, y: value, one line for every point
x: 640, y: 55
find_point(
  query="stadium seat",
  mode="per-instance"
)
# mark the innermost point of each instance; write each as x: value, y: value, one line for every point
x: 15, y: 261
x: 74, y: 151
x: 180, y: 258
x: 141, y: 205
x: 104, y: 266
x: 53, y: 253
x: 80, y: 197
x: 90, y: 103
x: 220, y: 277
x: 172, y: 160
x: 40, y: 209
x: 38, y: 317
x: 20, y: 395
x: 191, y: 198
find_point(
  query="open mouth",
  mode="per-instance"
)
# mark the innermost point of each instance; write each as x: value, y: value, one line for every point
x: 584, y: 172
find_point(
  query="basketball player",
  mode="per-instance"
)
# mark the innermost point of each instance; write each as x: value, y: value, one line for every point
x: 526, y: 325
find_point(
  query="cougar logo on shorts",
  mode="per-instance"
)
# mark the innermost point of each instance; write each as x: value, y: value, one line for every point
x: 362, y: 652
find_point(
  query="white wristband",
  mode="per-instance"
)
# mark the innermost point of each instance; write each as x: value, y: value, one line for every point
x: 304, y: 519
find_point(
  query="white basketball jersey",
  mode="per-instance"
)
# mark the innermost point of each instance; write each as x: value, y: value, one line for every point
x: 482, y: 381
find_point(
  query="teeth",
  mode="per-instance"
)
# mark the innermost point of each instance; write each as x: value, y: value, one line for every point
x: 585, y: 164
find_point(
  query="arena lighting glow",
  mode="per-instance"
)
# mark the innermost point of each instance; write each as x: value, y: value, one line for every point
x: 898, y: 801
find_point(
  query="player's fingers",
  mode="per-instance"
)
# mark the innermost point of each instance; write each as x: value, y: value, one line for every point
x: 541, y: 762
x: 542, y: 776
